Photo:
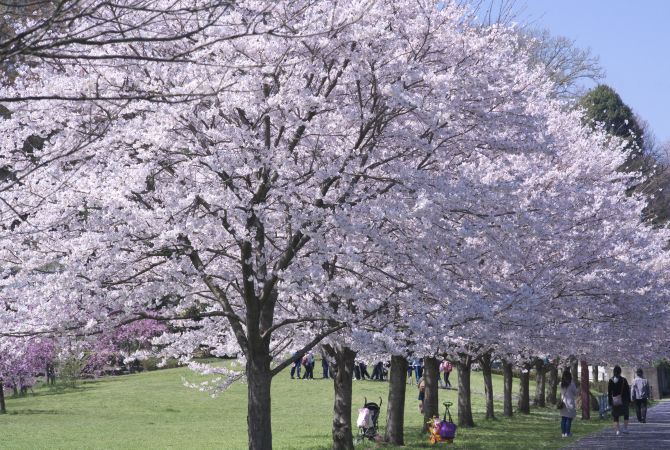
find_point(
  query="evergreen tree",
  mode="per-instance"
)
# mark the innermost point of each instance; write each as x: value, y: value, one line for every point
x: 603, y: 105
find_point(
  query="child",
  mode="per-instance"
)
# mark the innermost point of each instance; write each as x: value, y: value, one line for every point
x: 422, y: 393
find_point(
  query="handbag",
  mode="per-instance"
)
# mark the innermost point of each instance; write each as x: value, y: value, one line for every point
x: 560, y: 404
x: 447, y: 430
x: 617, y: 400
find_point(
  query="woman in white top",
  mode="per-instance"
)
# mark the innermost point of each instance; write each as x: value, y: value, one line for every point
x: 569, y: 399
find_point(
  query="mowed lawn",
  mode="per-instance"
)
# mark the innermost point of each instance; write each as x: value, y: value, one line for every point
x: 155, y: 411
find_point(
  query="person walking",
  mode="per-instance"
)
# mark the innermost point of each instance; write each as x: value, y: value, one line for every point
x: 364, y: 370
x: 305, y: 367
x: 378, y: 372
x: 417, y: 363
x: 446, y: 368
x: 296, y: 366
x: 311, y: 361
x: 357, y: 370
x: 618, y: 395
x: 568, y: 402
x: 422, y: 393
x: 324, y: 365
x: 410, y: 371
x: 308, y: 362
x: 639, y: 393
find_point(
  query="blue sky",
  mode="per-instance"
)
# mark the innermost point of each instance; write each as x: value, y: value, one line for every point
x: 632, y: 40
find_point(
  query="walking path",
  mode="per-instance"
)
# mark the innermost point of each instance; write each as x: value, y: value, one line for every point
x: 653, y: 435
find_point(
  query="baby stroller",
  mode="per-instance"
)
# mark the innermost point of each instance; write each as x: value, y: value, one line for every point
x: 368, y: 416
x: 442, y: 430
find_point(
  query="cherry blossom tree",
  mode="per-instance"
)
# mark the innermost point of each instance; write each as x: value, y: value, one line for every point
x: 274, y: 188
x: 21, y: 361
x: 338, y: 167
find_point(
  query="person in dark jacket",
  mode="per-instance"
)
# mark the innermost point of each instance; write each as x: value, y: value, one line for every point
x: 296, y: 366
x: 618, y: 395
x: 364, y: 370
x: 324, y: 365
x: 378, y: 372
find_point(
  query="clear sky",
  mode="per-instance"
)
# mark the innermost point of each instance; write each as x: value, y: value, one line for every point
x: 632, y: 39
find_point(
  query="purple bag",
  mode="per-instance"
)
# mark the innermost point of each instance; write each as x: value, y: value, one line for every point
x: 447, y: 430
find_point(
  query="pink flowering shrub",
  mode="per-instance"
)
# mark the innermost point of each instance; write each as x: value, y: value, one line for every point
x: 113, y: 347
x: 22, y: 360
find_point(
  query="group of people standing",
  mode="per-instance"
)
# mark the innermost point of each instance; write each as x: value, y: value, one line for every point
x: 303, y: 368
x: 415, y: 371
x: 619, y: 395
x: 307, y: 363
x: 379, y: 371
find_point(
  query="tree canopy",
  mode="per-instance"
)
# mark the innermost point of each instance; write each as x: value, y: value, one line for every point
x: 299, y: 172
x: 602, y: 105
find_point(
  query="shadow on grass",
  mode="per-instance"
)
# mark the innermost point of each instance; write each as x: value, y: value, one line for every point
x: 60, y: 389
x: 31, y: 412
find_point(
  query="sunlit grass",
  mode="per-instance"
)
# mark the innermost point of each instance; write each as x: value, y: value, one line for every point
x: 154, y: 411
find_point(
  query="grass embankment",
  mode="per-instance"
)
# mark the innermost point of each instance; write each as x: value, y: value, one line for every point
x: 154, y: 411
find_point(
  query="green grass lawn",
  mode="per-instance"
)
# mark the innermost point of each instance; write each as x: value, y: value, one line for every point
x: 154, y: 411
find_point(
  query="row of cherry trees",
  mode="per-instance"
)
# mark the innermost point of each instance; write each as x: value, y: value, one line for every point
x: 382, y: 177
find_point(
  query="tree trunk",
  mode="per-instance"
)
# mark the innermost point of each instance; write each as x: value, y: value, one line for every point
x: 594, y: 371
x: 259, y: 424
x: 488, y: 384
x: 552, y: 383
x: 538, y: 400
x: 508, y: 410
x: 574, y: 371
x: 3, y: 408
x: 343, y: 438
x: 586, y: 397
x: 463, y: 365
x: 524, y: 389
x: 395, y: 410
x: 431, y: 377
